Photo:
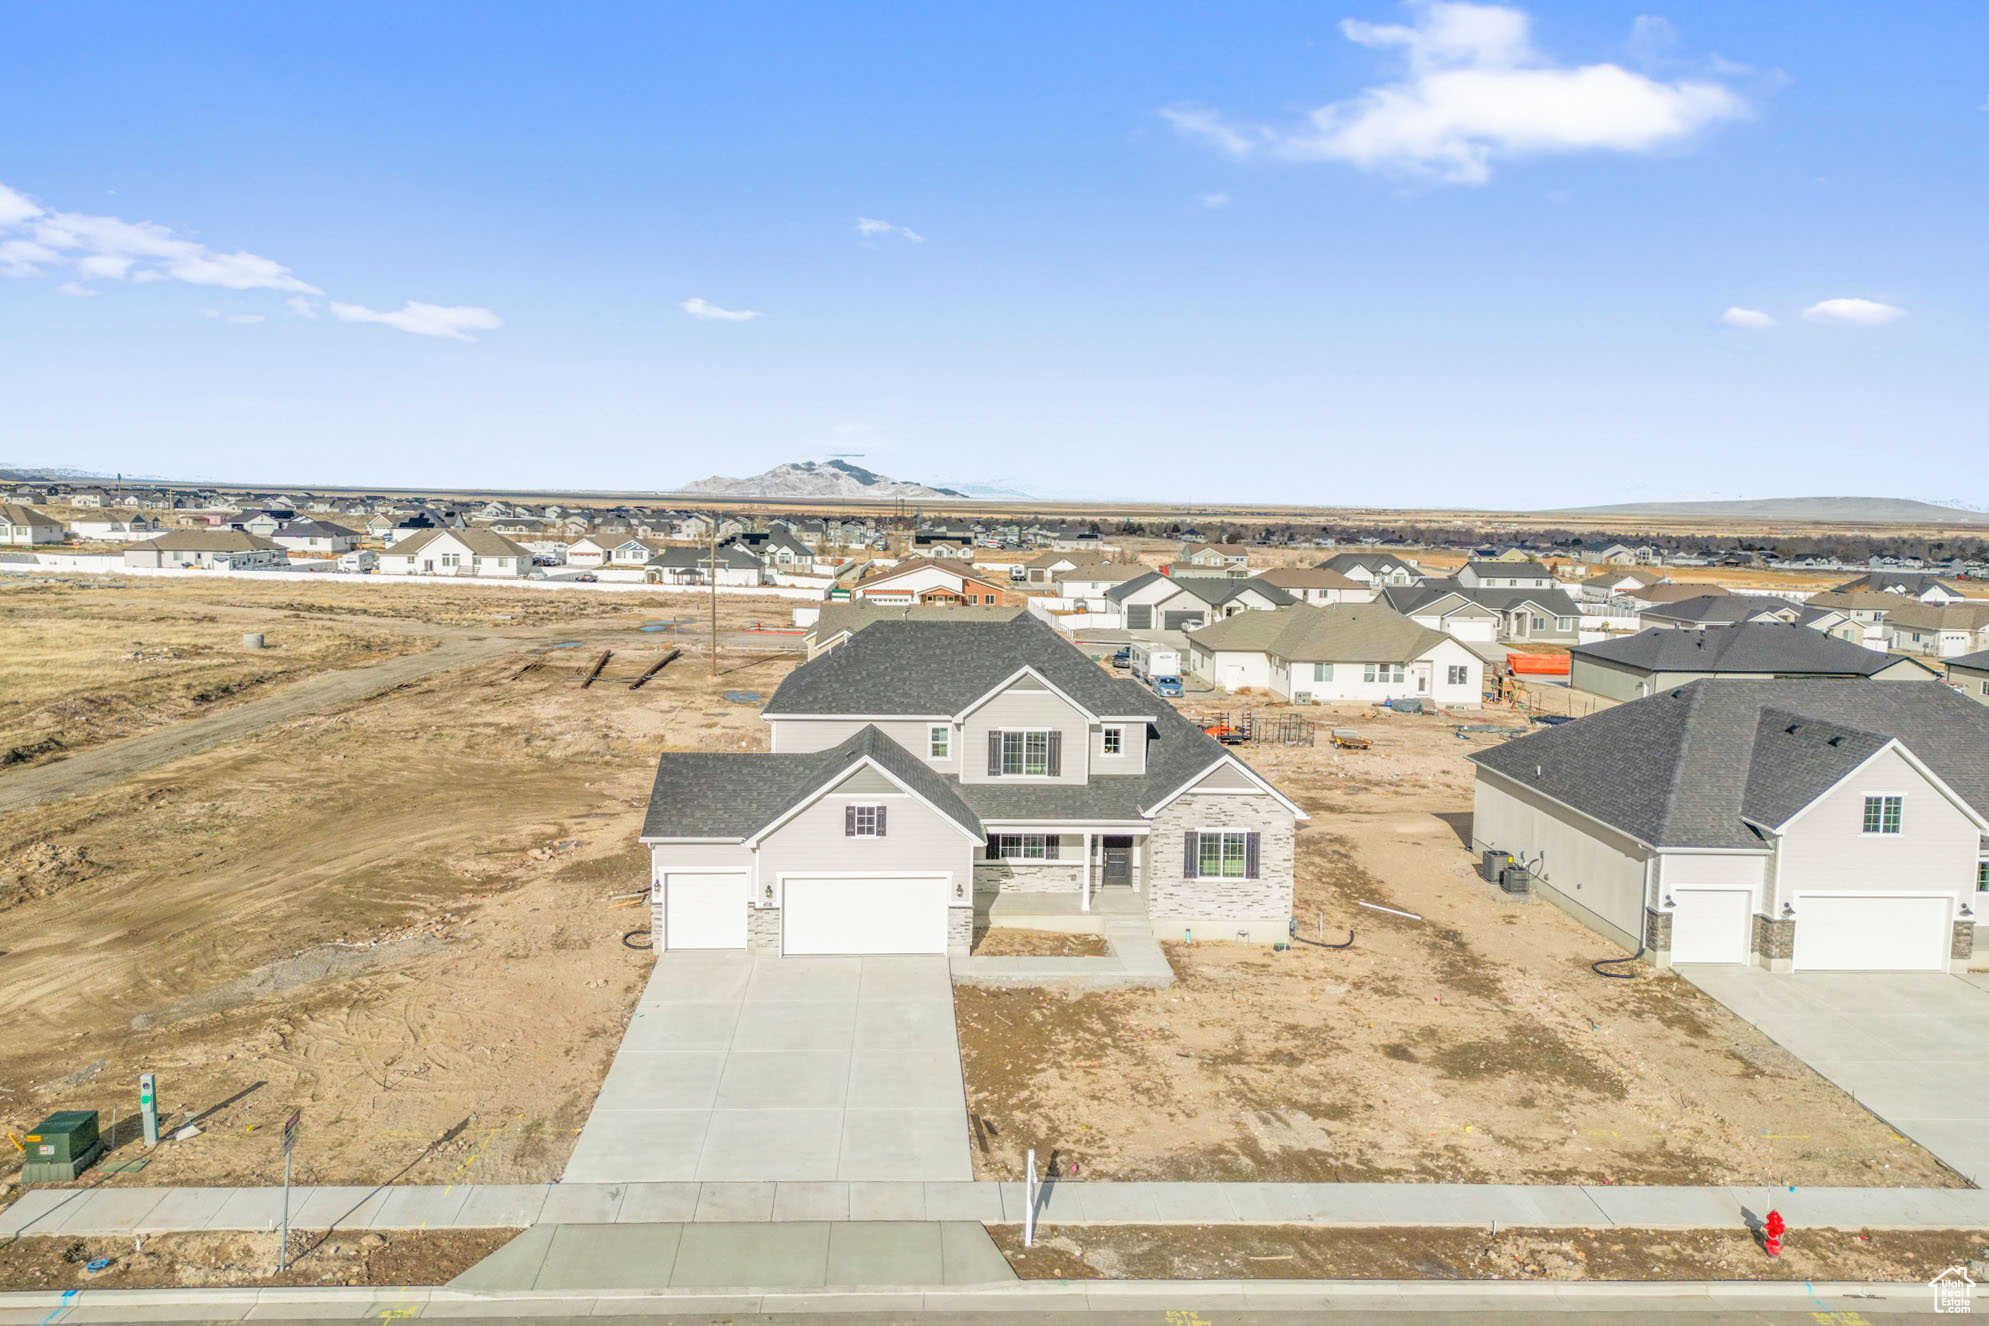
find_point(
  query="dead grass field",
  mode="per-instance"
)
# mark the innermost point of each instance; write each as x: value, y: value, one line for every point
x: 1242, y: 1252
x: 88, y: 668
x: 183, y: 1261
x: 1474, y: 1045
x: 398, y: 915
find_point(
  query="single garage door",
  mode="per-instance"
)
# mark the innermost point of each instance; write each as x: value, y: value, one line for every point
x: 1139, y: 616
x: 704, y: 910
x: 1872, y: 932
x: 833, y: 914
x: 1711, y: 925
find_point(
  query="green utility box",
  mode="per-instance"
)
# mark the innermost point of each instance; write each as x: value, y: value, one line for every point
x: 63, y: 1146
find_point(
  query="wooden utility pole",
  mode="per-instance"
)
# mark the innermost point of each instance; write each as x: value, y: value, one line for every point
x: 714, y: 599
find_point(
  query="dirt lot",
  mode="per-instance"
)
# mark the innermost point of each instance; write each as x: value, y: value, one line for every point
x: 1233, y: 1252
x: 186, y: 1261
x: 399, y: 915
x: 1473, y: 1045
x: 1038, y: 944
x: 98, y: 670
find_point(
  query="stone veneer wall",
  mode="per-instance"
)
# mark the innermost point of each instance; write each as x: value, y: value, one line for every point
x: 763, y: 930
x: 959, y: 931
x: 1266, y: 898
x: 1057, y: 876
x: 1964, y: 941
x: 1774, y: 941
x: 1657, y: 930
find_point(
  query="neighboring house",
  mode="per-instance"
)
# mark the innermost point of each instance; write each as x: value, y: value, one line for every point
x: 1225, y: 558
x: 1505, y: 575
x: 1940, y: 630
x: 262, y: 524
x: 1377, y: 569
x: 835, y: 623
x: 1632, y: 666
x: 936, y: 582
x: 315, y: 536
x: 776, y: 548
x: 1813, y: 825
x: 1969, y: 674
x: 1310, y: 584
x: 208, y: 549
x: 110, y: 529
x: 88, y: 497
x: 591, y: 550
x: 1704, y: 610
x: 1153, y: 601
x: 1615, y: 554
x: 732, y: 565
x: 456, y: 552
x: 1613, y: 583
x: 1921, y: 585
x: 1044, y: 568
x: 1346, y: 651
x: 23, y: 525
x: 1543, y: 616
x: 1097, y: 579
x: 925, y: 768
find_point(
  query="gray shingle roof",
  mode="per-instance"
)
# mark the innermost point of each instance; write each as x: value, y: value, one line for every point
x: 1752, y: 647
x: 735, y: 796
x: 1978, y: 661
x: 1720, y: 609
x: 1333, y: 633
x: 1679, y: 769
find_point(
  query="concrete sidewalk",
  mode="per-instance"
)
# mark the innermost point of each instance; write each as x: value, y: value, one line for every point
x: 111, y: 1210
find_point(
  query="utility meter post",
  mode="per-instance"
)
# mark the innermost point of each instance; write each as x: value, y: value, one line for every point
x: 148, y: 1106
x: 289, y: 1142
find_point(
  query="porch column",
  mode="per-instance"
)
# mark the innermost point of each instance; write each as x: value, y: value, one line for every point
x: 1084, y: 889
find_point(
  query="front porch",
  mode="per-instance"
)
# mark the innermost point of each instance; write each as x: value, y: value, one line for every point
x: 1063, y: 912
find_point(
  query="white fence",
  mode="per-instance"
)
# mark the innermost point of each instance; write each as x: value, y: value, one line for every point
x: 114, y: 566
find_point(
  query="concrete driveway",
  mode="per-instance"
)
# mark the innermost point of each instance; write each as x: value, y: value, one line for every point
x: 1912, y: 1048
x: 738, y: 1068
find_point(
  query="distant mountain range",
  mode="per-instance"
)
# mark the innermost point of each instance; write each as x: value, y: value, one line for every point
x: 809, y: 478
x: 1867, y: 510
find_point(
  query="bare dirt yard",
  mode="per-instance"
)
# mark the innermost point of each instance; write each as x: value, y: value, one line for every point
x: 1472, y: 1045
x: 1244, y: 1252
x: 1006, y: 943
x: 403, y: 914
x: 186, y: 1261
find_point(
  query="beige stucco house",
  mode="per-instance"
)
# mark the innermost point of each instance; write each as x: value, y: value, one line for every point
x: 1809, y: 825
x: 923, y: 769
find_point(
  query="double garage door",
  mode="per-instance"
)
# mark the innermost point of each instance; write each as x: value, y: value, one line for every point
x: 1834, y: 931
x: 820, y: 915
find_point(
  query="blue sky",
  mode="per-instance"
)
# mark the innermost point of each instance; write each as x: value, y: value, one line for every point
x: 1339, y: 253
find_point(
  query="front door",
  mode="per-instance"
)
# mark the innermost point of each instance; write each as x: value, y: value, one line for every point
x: 1118, y: 862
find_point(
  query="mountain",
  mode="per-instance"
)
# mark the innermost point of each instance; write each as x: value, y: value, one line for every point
x: 997, y: 489
x: 1863, y: 510
x: 809, y: 478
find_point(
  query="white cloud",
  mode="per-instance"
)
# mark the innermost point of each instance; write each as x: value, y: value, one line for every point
x: 74, y: 288
x: 423, y: 319
x: 870, y: 227
x: 699, y: 308
x: 1476, y: 91
x: 1213, y: 200
x: 36, y: 241
x: 1865, y: 312
x: 1751, y: 318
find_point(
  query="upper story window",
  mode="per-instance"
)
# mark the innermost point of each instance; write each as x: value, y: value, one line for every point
x: 863, y: 821
x: 939, y: 743
x: 1883, y: 813
x: 1115, y: 741
x: 1025, y: 753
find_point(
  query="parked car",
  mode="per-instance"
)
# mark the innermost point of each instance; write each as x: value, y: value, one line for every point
x: 1123, y: 659
x: 1167, y: 688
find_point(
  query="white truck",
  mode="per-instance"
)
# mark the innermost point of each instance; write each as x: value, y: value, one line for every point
x: 1149, y: 660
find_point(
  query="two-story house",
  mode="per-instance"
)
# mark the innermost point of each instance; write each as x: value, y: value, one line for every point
x: 924, y: 768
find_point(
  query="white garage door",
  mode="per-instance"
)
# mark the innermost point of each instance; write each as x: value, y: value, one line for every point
x: 704, y: 911
x: 1711, y: 925
x: 837, y: 915
x: 1872, y: 932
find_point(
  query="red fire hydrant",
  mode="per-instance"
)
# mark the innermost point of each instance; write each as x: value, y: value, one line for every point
x: 1771, y: 1231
